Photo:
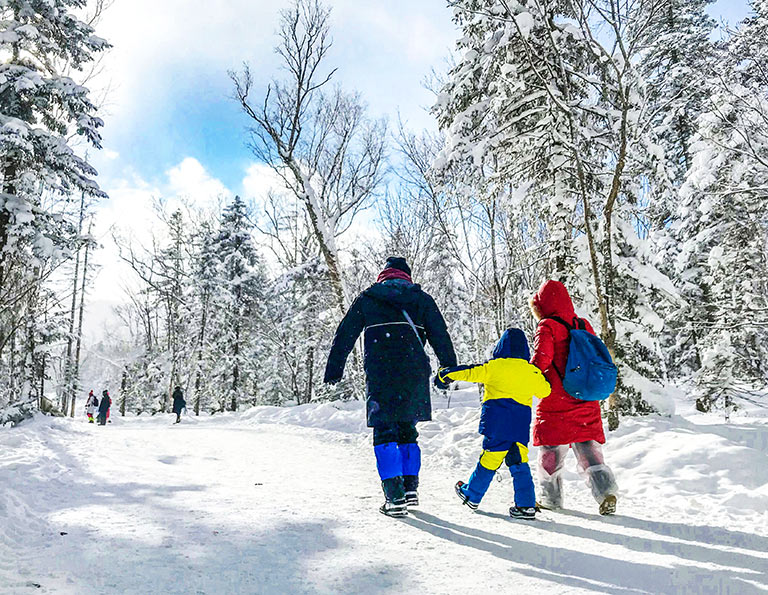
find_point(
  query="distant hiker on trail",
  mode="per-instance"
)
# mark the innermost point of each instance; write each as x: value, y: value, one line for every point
x: 505, y: 419
x: 563, y: 421
x: 397, y: 317
x: 91, y: 406
x: 179, y: 404
x: 104, y: 406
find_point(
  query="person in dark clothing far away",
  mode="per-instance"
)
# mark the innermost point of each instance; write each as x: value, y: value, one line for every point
x: 397, y: 318
x: 179, y: 404
x: 104, y: 406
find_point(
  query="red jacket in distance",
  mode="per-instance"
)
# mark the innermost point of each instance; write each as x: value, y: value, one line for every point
x: 560, y: 418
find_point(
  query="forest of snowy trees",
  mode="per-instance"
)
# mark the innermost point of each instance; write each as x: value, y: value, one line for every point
x: 620, y: 147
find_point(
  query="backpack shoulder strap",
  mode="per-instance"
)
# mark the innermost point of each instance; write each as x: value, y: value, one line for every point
x: 570, y: 328
x: 580, y: 325
x: 413, y: 326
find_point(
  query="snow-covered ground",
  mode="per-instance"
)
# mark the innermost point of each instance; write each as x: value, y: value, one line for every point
x: 285, y: 501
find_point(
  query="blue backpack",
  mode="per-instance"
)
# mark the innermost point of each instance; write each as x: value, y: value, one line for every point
x: 590, y: 374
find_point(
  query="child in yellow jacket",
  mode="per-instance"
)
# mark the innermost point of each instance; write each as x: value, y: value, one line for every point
x: 505, y: 419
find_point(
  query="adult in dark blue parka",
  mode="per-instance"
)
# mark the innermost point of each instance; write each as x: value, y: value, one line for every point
x: 179, y: 404
x: 398, y: 318
x: 104, y: 406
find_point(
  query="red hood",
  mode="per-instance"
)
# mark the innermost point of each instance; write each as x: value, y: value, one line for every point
x: 388, y: 274
x: 552, y: 299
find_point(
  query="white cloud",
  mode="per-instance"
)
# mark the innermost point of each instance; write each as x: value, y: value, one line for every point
x: 156, y: 42
x: 423, y: 36
x: 130, y: 213
x: 164, y: 50
x: 259, y: 180
x: 189, y: 179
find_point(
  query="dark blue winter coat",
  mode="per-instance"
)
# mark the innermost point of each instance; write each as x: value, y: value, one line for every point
x: 178, y: 401
x: 396, y: 367
x: 104, y: 405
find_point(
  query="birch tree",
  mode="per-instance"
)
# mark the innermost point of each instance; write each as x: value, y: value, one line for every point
x: 316, y: 137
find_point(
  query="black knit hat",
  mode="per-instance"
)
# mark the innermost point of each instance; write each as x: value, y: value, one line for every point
x: 398, y: 262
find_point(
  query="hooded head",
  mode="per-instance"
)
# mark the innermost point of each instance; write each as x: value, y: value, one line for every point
x: 105, y: 393
x: 395, y: 268
x: 512, y: 344
x: 552, y: 299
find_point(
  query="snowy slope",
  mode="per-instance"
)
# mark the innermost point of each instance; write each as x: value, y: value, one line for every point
x: 284, y: 501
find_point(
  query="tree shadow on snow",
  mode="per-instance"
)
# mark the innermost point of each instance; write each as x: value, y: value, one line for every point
x: 705, y: 534
x: 698, y: 543
x: 581, y: 569
x: 183, y: 551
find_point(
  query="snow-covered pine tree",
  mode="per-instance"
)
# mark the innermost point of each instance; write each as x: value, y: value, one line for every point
x: 547, y: 97
x: 676, y: 67
x: 173, y: 267
x: 241, y: 291
x: 40, y: 109
x: 298, y: 329
x: 724, y: 221
x: 204, y: 284
x: 441, y: 279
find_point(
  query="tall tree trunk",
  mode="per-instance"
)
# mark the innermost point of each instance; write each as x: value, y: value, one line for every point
x: 198, y: 381
x: 609, y: 271
x: 69, y: 384
x: 236, y: 368
x: 310, y: 374
x: 9, y: 188
x: 79, y: 337
x: 30, y: 368
x: 123, y: 387
x: 43, y: 365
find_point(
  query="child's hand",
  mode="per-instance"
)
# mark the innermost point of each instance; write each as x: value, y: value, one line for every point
x: 441, y: 383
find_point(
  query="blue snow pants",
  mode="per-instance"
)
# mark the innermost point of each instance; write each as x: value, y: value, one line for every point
x: 496, y: 452
x: 398, y: 458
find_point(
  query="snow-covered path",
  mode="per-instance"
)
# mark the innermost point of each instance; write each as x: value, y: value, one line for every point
x: 236, y: 505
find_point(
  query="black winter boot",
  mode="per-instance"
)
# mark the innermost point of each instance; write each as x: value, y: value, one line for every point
x: 394, y: 492
x: 411, y: 486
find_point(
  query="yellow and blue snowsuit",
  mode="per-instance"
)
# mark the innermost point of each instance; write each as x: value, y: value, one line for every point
x: 505, y: 419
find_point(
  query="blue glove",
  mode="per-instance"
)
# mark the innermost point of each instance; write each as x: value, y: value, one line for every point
x: 441, y: 383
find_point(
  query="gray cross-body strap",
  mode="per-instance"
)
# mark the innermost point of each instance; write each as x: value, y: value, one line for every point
x: 413, y: 326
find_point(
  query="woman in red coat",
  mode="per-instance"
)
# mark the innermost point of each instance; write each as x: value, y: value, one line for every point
x: 562, y: 421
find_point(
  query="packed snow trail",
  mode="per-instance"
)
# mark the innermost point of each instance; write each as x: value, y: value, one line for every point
x: 233, y: 504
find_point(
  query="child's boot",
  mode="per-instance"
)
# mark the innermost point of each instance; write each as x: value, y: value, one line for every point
x: 527, y: 513
x: 474, y: 490
x: 462, y: 494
